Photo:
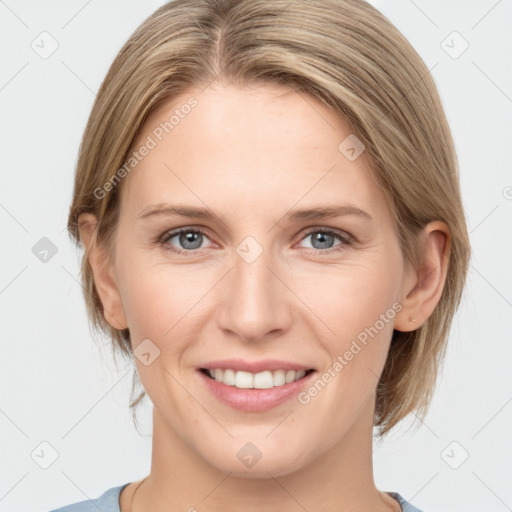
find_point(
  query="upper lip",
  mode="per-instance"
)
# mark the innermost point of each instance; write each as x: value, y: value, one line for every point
x: 254, y: 366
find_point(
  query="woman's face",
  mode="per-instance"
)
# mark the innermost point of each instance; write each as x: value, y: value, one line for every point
x: 252, y: 279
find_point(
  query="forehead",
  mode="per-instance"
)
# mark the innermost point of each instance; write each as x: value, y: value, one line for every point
x: 257, y: 146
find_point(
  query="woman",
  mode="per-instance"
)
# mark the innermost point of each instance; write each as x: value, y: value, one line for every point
x: 268, y: 198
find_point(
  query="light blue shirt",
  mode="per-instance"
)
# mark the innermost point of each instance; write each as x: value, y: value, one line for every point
x: 109, y: 502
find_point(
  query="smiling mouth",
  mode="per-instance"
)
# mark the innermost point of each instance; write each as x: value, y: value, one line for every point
x: 262, y: 380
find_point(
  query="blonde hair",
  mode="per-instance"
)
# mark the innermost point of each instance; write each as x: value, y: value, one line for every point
x: 344, y: 53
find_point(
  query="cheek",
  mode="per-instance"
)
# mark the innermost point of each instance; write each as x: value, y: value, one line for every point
x: 162, y: 301
x: 354, y: 302
x: 350, y: 296
x: 162, y: 304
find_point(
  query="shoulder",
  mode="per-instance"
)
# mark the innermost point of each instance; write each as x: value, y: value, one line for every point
x: 406, y: 506
x: 107, y: 502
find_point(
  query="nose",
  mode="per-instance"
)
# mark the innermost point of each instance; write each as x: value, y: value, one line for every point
x: 255, y: 302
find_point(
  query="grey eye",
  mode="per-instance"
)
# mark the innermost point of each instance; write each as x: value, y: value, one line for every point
x: 190, y: 239
x: 323, y: 239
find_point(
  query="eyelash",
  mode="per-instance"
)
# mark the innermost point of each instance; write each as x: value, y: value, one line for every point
x: 346, y: 240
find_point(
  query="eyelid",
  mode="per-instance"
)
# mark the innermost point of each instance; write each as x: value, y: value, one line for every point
x: 303, y: 232
x: 171, y: 233
x: 346, y: 238
x: 326, y: 229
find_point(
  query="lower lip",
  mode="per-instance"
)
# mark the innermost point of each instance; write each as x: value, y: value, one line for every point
x: 255, y: 400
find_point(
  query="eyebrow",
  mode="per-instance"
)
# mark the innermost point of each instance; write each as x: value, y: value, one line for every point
x: 164, y: 209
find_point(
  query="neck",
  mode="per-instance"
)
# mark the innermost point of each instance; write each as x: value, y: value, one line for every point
x: 341, y: 478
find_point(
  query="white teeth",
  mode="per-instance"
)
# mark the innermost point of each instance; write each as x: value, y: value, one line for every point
x: 244, y: 380
x: 263, y: 380
x: 279, y: 378
x: 228, y: 378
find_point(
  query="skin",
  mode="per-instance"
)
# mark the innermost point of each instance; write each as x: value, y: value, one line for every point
x: 251, y: 155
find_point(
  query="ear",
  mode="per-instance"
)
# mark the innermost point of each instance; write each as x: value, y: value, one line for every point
x: 422, y: 288
x: 103, y: 273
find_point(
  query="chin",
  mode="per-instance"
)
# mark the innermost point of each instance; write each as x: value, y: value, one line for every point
x: 275, y: 464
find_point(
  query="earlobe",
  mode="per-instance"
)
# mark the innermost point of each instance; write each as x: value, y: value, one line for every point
x: 422, y: 289
x: 102, y: 270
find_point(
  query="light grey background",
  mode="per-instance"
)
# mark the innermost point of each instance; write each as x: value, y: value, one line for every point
x: 57, y: 387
